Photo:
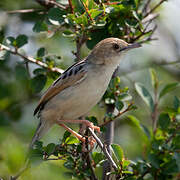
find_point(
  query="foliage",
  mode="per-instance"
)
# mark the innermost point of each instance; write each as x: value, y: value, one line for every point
x: 87, y: 22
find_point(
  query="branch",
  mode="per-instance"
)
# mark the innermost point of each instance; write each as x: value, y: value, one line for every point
x: 30, y: 59
x: 50, y: 3
x: 104, y: 149
x: 119, y: 114
x: 24, y: 11
x: 154, y: 8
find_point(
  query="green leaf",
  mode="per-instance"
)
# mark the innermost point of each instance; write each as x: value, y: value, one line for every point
x: 10, y: 40
x: 95, y: 13
x: 126, y: 163
x: 97, y: 157
x: 164, y: 121
x: 135, y: 121
x: 146, y: 131
x: 21, y: 40
x: 39, y: 71
x: 49, y: 149
x: 119, y: 105
x: 117, y: 151
x: 170, y: 167
x: 154, y: 79
x: 38, y: 145
x: 140, y: 126
x: 41, y: 52
x: 55, y: 16
x: 68, y: 33
x: 176, y: 103
x: 145, y: 95
x: 125, y: 97
x: 66, y: 135
x: 153, y: 158
x: 37, y: 83
x: 93, y: 119
x: 72, y: 140
x: 40, y: 26
x: 168, y: 88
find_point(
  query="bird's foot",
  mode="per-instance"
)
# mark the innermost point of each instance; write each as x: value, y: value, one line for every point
x: 92, y: 126
x: 90, y: 141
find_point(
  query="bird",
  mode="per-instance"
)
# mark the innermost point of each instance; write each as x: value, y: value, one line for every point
x: 79, y: 88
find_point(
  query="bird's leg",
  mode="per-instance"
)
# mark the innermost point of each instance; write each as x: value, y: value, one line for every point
x: 85, y: 122
x: 91, y: 140
x: 81, y: 138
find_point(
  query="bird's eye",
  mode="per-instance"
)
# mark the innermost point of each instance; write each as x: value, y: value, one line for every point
x: 115, y: 46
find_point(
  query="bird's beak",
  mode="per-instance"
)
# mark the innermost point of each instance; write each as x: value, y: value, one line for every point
x: 131, y: 46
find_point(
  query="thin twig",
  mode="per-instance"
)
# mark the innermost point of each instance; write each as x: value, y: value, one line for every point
x: 71, y: 6
x: 119, y: 114
x: 24, y: 11
x: 146, y: 6
x: 57, y: 4
x: 30, y: 59
x: 154, y: 8
x: 50, y: 3
x: 104, y: 149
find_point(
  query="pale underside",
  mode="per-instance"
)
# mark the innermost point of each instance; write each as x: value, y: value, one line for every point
x: 78, y: 99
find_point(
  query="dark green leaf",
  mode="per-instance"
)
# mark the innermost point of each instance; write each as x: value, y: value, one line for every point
x: 177, y: 158
x: 154, y: 160
x: 176, y: 103
x: 170, y: 167
x: 66, y: 135
x: 38, y: 145
x: 146, y: 131
x: 38, y: 83
x: 55, y: 16
x: 21, y: 40
x: 145, y: 95
x: 117, y: 151
x: 41, y: 52
x: 168, y: 88
x: 49, y: 149
x: 39, y: 71
x: 10, y: 40
x: 40, y: 26
x: 93, y: 119
x: 164, y: 121
x: 119, y: 105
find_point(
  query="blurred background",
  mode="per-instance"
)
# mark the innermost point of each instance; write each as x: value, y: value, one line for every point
x: 17, y: 122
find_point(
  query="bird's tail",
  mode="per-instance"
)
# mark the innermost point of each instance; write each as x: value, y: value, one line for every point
x: 42, y: 128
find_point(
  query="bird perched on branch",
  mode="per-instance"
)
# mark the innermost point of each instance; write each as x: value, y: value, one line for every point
x: 80, y: 87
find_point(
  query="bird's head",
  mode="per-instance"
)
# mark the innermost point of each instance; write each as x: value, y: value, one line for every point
x: 109, y: 51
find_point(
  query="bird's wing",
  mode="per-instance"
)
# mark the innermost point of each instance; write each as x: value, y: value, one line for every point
x: 70, y: 77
